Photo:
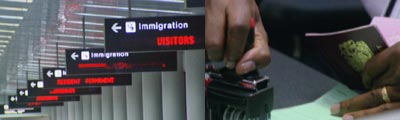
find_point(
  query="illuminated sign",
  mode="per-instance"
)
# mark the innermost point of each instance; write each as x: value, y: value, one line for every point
x: 48, y: 98
x: 69, y: 81
x: 155, y: 33
x: 33, y: 91
x: 53, y: 72
x: 5, y: 109
x: 34, y: 104
x: 94, y: 61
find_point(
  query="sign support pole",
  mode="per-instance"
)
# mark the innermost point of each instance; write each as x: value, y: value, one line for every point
x: 83, y: 32
x: 40, y: 75
x: 26, y: 76
x: 130, y: 8
x: 57, y: 55
x: 5, y: 98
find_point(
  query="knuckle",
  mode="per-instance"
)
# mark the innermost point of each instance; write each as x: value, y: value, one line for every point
x: 376, y: 96
x: 345, y: 106
x: 214, y: 44
x: 265, y: 58
x: 214, y: 50
x: 238, y: 26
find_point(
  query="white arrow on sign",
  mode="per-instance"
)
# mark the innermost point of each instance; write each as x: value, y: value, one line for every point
x: 74, y: 56
x: 21, y: 93
x: 64, y: 72
x: 33, y: 84
x: 49, y: 73
x: 115, y: 27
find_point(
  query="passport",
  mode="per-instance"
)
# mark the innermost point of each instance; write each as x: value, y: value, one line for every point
x: 346, y: 52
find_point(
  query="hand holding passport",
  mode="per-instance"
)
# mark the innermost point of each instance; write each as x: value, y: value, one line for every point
x: 364, y: 57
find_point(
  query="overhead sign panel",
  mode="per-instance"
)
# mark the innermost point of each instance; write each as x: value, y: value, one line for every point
x: 195, y: 3
x: 94, y: 61
x: 53, y: 72
x: 34, y: 104
x: 49, y: 98
x: 5, y: 109
x: 83, y: 81
x: 155, y: 33
x: 34, y: 91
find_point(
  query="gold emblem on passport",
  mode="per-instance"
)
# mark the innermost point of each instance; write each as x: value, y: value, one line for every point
x: 356, y: 53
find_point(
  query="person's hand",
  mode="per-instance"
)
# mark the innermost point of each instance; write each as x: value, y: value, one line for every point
x: 227, y: 27
x: 382, y: 75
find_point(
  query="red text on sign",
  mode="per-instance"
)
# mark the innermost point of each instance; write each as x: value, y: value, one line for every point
x: 47, y: 98
x: 72, y: 81
x: 100, y: 80
x: 63, y: 91
x: 34, y: 104
x: 176, y: 40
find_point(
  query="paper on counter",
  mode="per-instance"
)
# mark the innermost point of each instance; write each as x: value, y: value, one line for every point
x: 318, y: 109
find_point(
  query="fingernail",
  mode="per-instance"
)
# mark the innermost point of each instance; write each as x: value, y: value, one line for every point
x: 247, y: 67
x: 210, y: 57
x: 335, y: 109
x: 213, y: 54
x: 348, y: 117
x: 230, y: 64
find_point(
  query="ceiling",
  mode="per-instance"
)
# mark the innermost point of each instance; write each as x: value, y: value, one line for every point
x: 31, y: 29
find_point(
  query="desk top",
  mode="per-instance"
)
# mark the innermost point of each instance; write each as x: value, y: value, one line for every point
x: 295, y: 83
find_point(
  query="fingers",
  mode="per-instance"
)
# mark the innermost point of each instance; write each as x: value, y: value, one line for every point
x: 388, y: 78
x: 261, y: 42
x: 379, y: 109
x: 367, y: 100
x: 227, y: 29
x: 259, y: 56
x: 238, y: 29
x: 215, y: 29
x: 255, y: 58
x: 376, y: 66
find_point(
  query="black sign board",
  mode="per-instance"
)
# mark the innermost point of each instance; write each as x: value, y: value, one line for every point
x: 85, y: 81
x: 34, y: 104
x: 5, y: 109
x: 53, y: 72
x: 32, y: 84
x: 155, y: 33
x: 195, y: 3
x: 34, y: 91
x: 94, y: 61
x: 48, y: 98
